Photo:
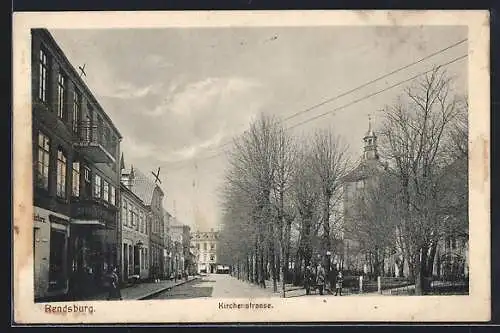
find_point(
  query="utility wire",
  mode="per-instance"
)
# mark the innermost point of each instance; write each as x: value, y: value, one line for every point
x: 345, y: 105
x: 315, y: 106
x: 375, y: 80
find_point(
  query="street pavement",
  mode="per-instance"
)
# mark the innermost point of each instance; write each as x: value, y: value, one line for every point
x: 227, y: 286
x: 218, y: 286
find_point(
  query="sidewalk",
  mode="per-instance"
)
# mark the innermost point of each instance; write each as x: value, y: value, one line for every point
x: 143, y: 290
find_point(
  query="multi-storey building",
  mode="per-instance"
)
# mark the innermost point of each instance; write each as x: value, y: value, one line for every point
x: 182, y: 234
x: 167, y: 245
x: 76, y: 174
x: 206, y: 244
x: 451, y: 250
x: 365, y: 175
x: 135, y: 231
x: 151, y: 196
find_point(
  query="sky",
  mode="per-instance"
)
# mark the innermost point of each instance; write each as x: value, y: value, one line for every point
x: 177, y: 95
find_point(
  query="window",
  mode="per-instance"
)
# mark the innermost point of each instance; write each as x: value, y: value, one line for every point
x: 87, y: 182
x: 124, y: 213
x: 43, y: 161
x: 205, y: 246
x: 97, y: 186
x: 76, y: 179
x: 61, y: 174
x: 105, y: 192
x: 132, y: 222
x: 61, y: 96
x: 77, y: 100
x: 212, y: 246
x: 112, y: 195
x: 43, y: 76
x: 197, y: 246
x: 142, y: 222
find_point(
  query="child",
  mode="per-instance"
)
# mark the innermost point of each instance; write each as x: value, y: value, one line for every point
x: 338, y: 284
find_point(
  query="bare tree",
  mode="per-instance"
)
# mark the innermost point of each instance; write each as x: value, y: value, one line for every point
x: 305, y: 195
x: 415, y: 134
x: 330, y: 163
x: 374, y: 220
x: 284, y: 162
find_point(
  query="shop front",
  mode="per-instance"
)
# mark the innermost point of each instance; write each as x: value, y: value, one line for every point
x: 50, y: 253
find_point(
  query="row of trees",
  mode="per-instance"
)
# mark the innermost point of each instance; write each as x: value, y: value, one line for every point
x: 282, y: 197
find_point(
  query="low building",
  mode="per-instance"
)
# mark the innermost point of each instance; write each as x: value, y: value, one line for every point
x: 206, y: 244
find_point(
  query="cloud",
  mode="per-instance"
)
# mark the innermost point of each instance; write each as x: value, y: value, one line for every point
x: 157, y: 61
x: 203, y: 96
x: 196, y: 118
x: 130, y: 91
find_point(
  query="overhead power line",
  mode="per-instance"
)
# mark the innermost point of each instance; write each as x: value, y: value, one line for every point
x: 331, y: 99
x: 350, y: 103
x: 375, y: 93
x: 376, y: 79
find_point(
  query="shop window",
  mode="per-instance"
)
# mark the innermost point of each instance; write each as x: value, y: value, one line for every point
x: 56, y: 262
x: 61, y: 174
x: 43, y: 161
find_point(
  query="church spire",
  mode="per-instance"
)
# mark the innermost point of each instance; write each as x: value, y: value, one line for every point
x: 370, y: 142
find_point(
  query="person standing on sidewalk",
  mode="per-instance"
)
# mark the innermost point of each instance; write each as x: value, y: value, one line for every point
x: 320, y: 278
x: 114, y: 292
x: 338, y: 284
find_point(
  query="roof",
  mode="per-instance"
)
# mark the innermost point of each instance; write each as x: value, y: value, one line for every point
x: 365, y: 169
x: 143, y: 186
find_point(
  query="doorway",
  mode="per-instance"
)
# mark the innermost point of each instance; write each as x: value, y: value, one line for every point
x: 57, y: 267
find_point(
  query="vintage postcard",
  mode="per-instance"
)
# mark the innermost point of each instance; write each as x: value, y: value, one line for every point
x: 266, y: 166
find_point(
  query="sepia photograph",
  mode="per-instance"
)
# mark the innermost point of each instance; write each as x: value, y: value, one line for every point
x: 259, y: 166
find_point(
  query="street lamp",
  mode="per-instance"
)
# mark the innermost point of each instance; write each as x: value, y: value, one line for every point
x: 328, y: 273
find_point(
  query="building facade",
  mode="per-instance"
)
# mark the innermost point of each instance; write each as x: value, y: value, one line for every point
x: 206, y: 244
x: 167, y: 245
x: 135, y: 232
x: 365, y: 175
x: 451, y: 249
x: 151, y: 196
x: 76, y: 175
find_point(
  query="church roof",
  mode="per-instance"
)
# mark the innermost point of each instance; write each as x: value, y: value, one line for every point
x: 143, y: 186
x: 365, y: 169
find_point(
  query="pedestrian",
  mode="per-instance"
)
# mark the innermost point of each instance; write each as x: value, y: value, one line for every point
x: 338, y: 284
x: 320, y: 278
x: 308, y: 279
x: 114, y: 292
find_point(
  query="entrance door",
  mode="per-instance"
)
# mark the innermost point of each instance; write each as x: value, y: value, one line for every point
x: 137, y: 261
x: 125, y: 262
x: 57, y: 275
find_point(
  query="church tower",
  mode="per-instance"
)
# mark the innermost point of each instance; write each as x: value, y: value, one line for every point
x: 370, y: 143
